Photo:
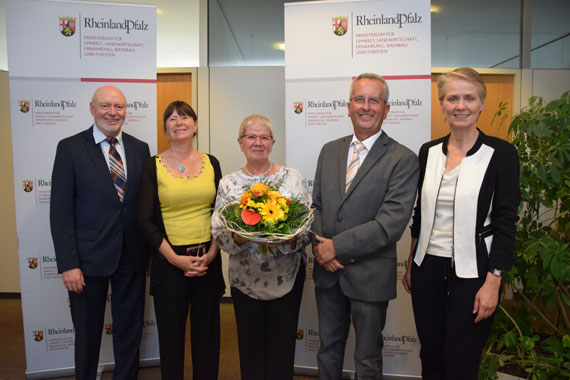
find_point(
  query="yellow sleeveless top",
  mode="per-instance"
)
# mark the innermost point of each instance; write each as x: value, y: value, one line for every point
x: 186, y: 203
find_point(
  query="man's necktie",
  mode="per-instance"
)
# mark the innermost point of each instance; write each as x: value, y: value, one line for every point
x: 117, y: 169
x: 354, y: 163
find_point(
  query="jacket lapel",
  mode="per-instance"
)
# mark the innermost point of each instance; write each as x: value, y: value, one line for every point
x: 342, y: 157
x: 129, y: 150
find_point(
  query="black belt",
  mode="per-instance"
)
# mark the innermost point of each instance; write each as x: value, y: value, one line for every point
x: 192, y: 250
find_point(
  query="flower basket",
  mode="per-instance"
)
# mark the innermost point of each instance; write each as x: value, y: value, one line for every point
x: 264, y: 216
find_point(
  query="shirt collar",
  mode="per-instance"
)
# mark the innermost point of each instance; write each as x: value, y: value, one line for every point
x: 100, y: 136
x: 369, y: 141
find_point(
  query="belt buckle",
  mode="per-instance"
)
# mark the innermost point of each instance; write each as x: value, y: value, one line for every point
x: 199, y: 250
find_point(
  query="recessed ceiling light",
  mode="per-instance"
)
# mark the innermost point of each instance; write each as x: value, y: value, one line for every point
x: 279, y: 46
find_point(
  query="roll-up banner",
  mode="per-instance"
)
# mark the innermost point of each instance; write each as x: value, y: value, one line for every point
x: 328, y: 43
x: 59, y: 53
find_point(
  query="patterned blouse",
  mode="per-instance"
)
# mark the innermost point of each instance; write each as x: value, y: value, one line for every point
x: 263, y: 276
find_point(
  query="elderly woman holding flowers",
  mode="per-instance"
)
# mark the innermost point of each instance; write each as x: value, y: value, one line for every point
x: 266, y: 278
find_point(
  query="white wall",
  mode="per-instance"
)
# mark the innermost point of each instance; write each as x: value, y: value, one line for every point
x: 550, y: 84
x: 236, y: 92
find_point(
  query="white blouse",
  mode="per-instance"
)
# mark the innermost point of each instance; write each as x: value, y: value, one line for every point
x: 441, y: 239
x: 263, y: 276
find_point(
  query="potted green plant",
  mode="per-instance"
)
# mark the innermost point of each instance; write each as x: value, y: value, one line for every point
x: 531, y: 333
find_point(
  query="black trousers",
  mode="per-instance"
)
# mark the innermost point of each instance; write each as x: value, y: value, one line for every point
x: 127, y: 309
x: 451, y: 342
x: 267, y: 333
x: 174, y: 296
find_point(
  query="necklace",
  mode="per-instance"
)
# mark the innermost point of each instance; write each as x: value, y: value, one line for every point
x: 260, y: 175
x: 182, y: 168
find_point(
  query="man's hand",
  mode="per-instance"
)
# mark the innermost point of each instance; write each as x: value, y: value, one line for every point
x: 73, y: 280
x: 325, y: 254
x: 333, y: 265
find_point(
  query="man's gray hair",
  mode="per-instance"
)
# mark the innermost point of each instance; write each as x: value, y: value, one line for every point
x: 386, y: 92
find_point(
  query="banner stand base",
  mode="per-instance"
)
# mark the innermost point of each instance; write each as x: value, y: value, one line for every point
x: 346, y: 374
x: 70, y: 371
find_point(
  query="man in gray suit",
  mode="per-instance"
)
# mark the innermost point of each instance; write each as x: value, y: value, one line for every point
x: 364, y: 191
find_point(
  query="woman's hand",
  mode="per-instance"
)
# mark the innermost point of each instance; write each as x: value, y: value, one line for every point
x: 273, y: 245
x: 487, y: 298
x: 186, y: 263
x: 196, y: 268
x: 200, y: 263
x: 239, y: 240
x: 407, y: 279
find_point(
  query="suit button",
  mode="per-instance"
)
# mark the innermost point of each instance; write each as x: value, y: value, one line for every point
x: 339, y: 219
x: 352, y: 260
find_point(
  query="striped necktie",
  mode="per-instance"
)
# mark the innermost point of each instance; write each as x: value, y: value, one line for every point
x: 117, y: 169
x: 354, y: 163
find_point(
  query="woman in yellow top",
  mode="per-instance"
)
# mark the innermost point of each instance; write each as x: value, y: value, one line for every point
x: 178, y: 189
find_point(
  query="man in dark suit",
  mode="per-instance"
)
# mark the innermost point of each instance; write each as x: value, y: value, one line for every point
x: 93, y: 218
x: 363, y: 194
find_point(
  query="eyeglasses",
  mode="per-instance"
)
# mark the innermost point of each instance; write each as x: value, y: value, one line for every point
x: 253, y: 138
x: 372, y: 101
x: 107, y: 107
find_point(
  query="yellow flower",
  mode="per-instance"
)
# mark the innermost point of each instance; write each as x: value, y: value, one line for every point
x: 274, y: 195
x: 272, y: 213
x: 284, y: 203
x: 258, y: 189
x: 253, y: 205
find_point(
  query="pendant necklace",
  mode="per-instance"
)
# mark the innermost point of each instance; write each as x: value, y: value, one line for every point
x: 181, y: 167
x: 261, y: 175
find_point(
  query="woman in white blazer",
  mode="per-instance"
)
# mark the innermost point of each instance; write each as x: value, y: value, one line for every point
x: 463, y: 232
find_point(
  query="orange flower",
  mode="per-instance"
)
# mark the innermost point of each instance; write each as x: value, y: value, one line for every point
x: 259, y: 188
x: 244, y: 198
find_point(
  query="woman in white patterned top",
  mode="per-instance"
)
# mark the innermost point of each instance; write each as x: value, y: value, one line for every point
x: 266, y: 286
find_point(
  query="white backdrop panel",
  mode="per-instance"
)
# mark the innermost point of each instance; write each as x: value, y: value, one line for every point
x: 51, y: 85
x: 96, y: 43
x: 390, y: 38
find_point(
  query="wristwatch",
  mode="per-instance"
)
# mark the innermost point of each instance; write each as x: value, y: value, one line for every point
x: 497, y: 272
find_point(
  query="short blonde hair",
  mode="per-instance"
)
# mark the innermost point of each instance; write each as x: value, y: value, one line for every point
x: 250, y: 119
x: 465, y: 73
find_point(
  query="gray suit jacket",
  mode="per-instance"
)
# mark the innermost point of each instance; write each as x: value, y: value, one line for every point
x: 366, y: 222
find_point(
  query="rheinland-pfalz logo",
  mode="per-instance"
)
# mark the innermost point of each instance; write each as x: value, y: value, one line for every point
x: 300, y: 334
x: 67, y: 26
x: 340, y: 25
x: 109, y: 329
x: 298, y: 107
x: 32, y: 262
x: 24, y: 106
x: 38, y: 335
x: 28, y: 185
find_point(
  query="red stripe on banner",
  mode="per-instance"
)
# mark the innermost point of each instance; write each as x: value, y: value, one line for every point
x: 118, y: 80
x: 397, y: 77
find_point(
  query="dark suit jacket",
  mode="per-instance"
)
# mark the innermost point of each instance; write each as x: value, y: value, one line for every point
x: 365, y: 223
x: 88, y: 221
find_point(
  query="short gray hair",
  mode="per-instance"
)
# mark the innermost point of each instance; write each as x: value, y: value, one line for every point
x: 385, y: 93
x: 250, y: 119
